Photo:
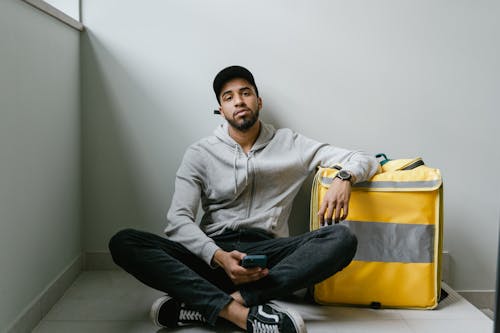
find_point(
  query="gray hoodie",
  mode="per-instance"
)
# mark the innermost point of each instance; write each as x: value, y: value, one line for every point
x: 253, y: 190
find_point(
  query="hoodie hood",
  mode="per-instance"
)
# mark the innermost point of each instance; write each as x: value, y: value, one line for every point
x: 266, y: 134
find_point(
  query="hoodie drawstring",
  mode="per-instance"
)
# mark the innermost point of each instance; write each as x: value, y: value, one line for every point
x: 235, y: 170
x: 246, y: 168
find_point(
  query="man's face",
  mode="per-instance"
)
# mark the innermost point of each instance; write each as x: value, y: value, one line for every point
x: 239, y: 104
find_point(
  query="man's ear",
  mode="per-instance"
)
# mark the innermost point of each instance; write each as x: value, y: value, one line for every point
x: 259, y: 103
x: 221, y: 113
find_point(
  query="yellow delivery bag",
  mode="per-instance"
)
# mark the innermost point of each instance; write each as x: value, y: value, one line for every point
x: 397, y: 217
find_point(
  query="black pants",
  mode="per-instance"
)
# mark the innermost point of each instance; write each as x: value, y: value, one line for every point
x: 294, y: 263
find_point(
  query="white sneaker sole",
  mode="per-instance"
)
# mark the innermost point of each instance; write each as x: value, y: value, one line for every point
x: 297, y: 320
x: 155, y: 308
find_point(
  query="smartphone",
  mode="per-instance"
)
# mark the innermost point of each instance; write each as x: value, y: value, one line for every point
x: 254, y: 260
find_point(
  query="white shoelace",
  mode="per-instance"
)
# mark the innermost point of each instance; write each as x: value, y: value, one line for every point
x: 190, y: 315
x: 259, y: 327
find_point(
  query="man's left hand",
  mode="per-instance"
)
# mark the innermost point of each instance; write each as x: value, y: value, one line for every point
x: 336, y: 202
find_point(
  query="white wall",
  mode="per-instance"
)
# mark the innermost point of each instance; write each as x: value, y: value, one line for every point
x: 409, y: 78
x: 39, y: 154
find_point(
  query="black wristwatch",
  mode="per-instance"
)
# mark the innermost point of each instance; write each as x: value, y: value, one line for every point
x: 344, y: 175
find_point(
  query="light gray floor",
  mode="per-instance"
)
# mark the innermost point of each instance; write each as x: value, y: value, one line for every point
x: 112, y: 301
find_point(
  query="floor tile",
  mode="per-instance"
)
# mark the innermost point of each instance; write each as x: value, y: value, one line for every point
x: 314, y: 312
x: 376, y: 326
x: 452, y: 307
x: 122, y: 326
x: 95, y: 327
x: 451, y: 326
x: 104, y: 295
x: 113, y: 301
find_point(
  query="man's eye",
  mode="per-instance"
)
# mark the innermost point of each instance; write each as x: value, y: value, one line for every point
x: 227, y: 98
x: 246, y: 93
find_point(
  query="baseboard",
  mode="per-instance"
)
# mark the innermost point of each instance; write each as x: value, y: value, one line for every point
x: 481, y: 299
x: 445, y: 267
x: 97, y: 261
x: 41, y: 305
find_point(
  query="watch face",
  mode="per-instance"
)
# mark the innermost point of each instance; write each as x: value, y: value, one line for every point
x: 344, y: 175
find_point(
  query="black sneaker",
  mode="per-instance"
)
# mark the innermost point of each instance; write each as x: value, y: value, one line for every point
x: 167, y: 312
x: 270, y: 318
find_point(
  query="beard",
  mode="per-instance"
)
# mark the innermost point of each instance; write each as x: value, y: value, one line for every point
x: 246, y: 123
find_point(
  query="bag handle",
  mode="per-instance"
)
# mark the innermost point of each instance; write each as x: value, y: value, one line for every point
x: 385, y: 160
x: 411, y: 165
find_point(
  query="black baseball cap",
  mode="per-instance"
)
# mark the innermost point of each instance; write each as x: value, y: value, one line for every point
x: 230, y: 73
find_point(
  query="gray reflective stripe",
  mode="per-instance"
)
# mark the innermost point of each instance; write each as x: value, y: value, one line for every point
x: 411, y: 184
x: 326, y: 180
x: 389, y: 184
x: 393, y: 242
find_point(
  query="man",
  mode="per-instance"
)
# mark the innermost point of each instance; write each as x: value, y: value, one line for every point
x: 246, y: 176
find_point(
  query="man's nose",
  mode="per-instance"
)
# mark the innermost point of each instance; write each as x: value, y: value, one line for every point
x: 238, y: 100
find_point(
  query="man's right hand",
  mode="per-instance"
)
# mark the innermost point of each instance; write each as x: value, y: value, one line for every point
x: 230, y: 262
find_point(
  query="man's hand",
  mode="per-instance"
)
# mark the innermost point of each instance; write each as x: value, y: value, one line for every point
x: 230, y: 262
x: 335, y: 202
